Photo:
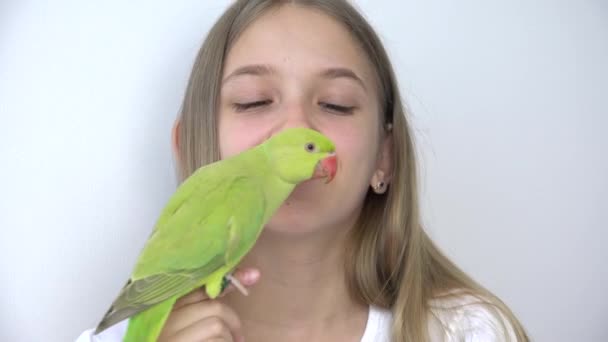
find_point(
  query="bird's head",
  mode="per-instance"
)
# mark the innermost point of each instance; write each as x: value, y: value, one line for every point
x: 300, y: 154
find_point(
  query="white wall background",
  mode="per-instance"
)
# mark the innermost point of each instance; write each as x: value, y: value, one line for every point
x: 509, y: 102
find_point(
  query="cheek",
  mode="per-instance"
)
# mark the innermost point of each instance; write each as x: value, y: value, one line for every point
x: 357, y: 153
x: 236, y: 136
x: 356, y: 165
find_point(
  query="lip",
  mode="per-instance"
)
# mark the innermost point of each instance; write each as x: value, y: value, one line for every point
x: 326, y: 168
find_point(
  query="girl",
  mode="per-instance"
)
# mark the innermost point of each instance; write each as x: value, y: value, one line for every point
x: 347, y: 261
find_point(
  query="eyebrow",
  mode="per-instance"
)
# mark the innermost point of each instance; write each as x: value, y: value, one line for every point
x: 254, y: 70
x: 333, y: 73
x: 265, y: 70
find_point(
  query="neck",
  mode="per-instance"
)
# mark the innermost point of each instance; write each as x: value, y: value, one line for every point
x: 302, y: 285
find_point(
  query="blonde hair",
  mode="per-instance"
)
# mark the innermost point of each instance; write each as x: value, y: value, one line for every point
x: 393, y: 263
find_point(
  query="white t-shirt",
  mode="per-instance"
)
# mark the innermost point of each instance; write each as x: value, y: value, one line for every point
x: 459, y: 319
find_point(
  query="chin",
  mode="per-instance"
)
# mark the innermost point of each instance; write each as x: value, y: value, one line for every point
x: 304, y: 211
x: 295, y: 217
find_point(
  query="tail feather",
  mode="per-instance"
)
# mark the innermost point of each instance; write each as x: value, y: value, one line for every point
x: 141, y: 294
x: 147, y: 325
x: 114, y: 316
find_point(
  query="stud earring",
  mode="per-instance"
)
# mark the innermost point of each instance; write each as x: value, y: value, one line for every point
x: 379, y: 186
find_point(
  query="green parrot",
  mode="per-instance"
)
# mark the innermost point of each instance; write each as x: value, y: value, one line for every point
x: 210, y: 223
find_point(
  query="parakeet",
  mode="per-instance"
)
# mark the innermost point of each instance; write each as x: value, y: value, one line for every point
x: 210, y: 223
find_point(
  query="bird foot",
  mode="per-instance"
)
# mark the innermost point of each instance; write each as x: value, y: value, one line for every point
x: 228, y: 279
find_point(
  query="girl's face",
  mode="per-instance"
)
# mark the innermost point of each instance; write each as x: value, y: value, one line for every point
x: 298, y: 67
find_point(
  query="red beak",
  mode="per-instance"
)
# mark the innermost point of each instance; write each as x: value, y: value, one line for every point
x: 326, y: 168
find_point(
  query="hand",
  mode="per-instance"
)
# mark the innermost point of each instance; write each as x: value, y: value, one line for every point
x: 195, y: 317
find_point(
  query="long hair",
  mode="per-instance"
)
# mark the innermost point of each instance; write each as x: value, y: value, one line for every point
x: 392, y: 262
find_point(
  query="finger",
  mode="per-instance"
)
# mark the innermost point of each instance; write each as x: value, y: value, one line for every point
x: 193, y: 313
x: 196, y: 295
x: 211, y: 328
x: 247, y: 277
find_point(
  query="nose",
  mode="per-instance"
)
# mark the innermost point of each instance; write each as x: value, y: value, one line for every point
x: 294, y: 114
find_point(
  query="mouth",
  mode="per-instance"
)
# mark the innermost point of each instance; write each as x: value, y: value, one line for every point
x: 326, y: 168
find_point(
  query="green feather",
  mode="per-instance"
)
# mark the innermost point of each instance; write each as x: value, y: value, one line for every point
x: 146, y: 326
x: 209, y: 224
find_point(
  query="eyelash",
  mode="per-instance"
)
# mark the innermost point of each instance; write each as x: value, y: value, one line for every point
x: 338, y: 108
x: 241, y: 107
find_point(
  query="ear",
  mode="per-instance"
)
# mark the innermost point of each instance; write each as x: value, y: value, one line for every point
x: 175, y: 139
x: 384, y: 165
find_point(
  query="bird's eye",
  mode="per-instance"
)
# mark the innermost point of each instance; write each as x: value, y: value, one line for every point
x: 310, y: 147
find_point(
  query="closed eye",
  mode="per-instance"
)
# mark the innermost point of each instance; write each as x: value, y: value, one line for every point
x: 240, y: 107
x: 337, y: 108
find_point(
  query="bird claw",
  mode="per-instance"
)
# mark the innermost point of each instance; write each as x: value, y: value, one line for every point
x: 228, y: 279
x: 225, y: 283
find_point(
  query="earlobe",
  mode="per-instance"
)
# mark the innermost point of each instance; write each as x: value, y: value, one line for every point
x: 385, y: 163
x: 383, y: 174
x: 175, y: 138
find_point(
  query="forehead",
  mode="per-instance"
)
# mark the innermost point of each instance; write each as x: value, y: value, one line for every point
x: 297, y: 39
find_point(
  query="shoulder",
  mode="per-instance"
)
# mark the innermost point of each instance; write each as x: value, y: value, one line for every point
x: 114, y: 333
x: 378, y: 326
x: 466, y: 317
x: 454, y: 317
